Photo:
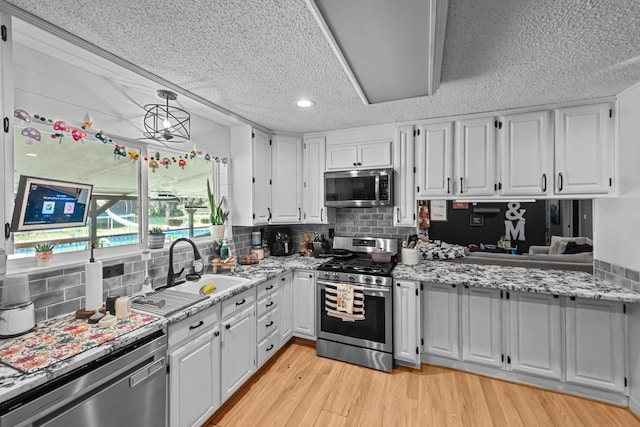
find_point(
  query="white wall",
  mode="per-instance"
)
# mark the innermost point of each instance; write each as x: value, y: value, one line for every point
x: 616, y: 221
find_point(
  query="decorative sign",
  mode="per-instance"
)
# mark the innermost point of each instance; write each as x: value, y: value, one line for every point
x: 514, y: 222
x: 476, y: 220
x: 438, y: 210
x: 460, y: 205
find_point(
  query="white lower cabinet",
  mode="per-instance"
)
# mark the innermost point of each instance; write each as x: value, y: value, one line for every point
x: 441, y: 324
x: 481, y: 320
x: 268, y: 320
x: 406, y: 322
x: 304, y: 303
x: 285, y: 291
x: 595, y: 344
x: 194, y: 358
x: 535, y: 334
x: 238, y: 345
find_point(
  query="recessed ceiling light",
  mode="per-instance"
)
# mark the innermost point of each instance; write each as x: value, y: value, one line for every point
x: 305, y: 103
x: 32, y: 155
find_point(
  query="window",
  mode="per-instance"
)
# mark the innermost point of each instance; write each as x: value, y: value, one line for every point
x: 114, y: 213
x: 178, y: 194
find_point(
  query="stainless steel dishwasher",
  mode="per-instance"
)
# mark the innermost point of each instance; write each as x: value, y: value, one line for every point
x: 125, y: 388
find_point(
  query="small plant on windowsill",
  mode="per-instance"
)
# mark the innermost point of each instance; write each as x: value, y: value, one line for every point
x: 156, y: 237
x: 217, y: 216
x: 44, y: 253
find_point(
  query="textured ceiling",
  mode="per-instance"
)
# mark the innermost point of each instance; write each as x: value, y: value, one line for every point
x: 257, y: 57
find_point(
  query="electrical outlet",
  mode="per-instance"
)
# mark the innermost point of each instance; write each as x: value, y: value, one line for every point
x: 112, y: 270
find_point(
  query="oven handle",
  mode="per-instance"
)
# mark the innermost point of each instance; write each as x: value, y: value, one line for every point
x: 364, y: 288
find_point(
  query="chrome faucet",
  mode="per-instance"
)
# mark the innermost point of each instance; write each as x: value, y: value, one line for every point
x: 197, y: 263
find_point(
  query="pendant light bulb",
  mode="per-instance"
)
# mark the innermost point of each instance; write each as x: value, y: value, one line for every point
x: 166, y: 124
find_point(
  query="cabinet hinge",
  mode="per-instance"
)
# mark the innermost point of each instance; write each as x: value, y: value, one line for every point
x: 624, y: 308
x: 4, y: 33
x: 610, y: 110
x: 417, y: 350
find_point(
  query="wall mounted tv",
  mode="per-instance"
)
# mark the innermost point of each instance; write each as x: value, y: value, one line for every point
x: 43, y: 203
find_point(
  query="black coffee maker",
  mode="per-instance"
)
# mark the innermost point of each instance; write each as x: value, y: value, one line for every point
x: 280, y: 241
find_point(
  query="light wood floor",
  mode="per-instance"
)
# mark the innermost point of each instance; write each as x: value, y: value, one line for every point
x: 300, y: 389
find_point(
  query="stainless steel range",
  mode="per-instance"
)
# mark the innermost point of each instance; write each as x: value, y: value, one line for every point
x: 367, y: 340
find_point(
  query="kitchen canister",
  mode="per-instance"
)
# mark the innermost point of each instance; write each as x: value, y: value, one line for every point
x: 256, y: 238
x: 123, y: 308
x: 409, y: 256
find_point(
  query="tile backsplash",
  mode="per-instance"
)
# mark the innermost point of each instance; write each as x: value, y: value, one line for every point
x: 622, y: 276
x: 59, y: 291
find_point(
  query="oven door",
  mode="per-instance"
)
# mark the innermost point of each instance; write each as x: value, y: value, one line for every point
x: 374, y: 332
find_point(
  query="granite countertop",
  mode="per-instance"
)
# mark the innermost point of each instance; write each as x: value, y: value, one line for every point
x: 555, y: 282
x: 14, y: 382
x: 568, y: 283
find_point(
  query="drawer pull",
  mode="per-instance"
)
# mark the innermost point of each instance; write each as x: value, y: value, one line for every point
x: 270, y: 348
x: 269, y: 324
x: 270, y: 304
x: 227, y: 326
x: 240, y: 302
x: 216, y: 334
x: 197, y: 326
x: 268, y: 288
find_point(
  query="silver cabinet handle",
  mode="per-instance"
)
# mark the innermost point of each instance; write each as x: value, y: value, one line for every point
x: 321, y: 212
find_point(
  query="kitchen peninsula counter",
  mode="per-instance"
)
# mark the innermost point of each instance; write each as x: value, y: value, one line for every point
x: 554, y: 282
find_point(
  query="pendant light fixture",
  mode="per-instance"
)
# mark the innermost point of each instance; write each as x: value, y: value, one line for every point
x: 163, y: 122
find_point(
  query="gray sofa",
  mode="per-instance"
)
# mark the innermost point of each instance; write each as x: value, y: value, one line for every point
x: 536, y: 258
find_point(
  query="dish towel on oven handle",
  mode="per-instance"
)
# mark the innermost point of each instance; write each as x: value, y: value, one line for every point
x: 345, y: 302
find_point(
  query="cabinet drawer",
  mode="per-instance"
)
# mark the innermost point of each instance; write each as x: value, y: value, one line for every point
x: 238, y: 302
x: 268, y: 288
x: 268, y: 347
x: 268, y: 303
x: 268, y: 323
x: 193, y: 326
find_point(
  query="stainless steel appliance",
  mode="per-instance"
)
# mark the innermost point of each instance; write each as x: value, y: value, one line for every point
x: 125, y: 388
x: 367, y: 342
x: 359, y: 188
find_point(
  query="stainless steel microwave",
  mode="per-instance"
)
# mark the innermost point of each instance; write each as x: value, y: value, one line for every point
x: 358, y: 188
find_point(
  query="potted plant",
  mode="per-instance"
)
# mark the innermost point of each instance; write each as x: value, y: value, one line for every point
x: 217, y: 216
x: 156, y: 238
x: 44, y: 253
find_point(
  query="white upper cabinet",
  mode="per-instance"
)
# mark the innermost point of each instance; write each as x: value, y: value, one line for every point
x: 286, y: 175
x: 374, y: 154
x: 314, y: 211
x: 525, y: 144
x: 476, y: 157
x: 251, y: 176
x: 584, y: 149
x: 404, y: 213
x: 434, y: 160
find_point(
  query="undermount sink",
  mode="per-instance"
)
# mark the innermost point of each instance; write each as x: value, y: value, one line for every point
x: 222, y: 282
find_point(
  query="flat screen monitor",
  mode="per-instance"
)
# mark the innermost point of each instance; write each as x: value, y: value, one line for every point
x: 43, y: 203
